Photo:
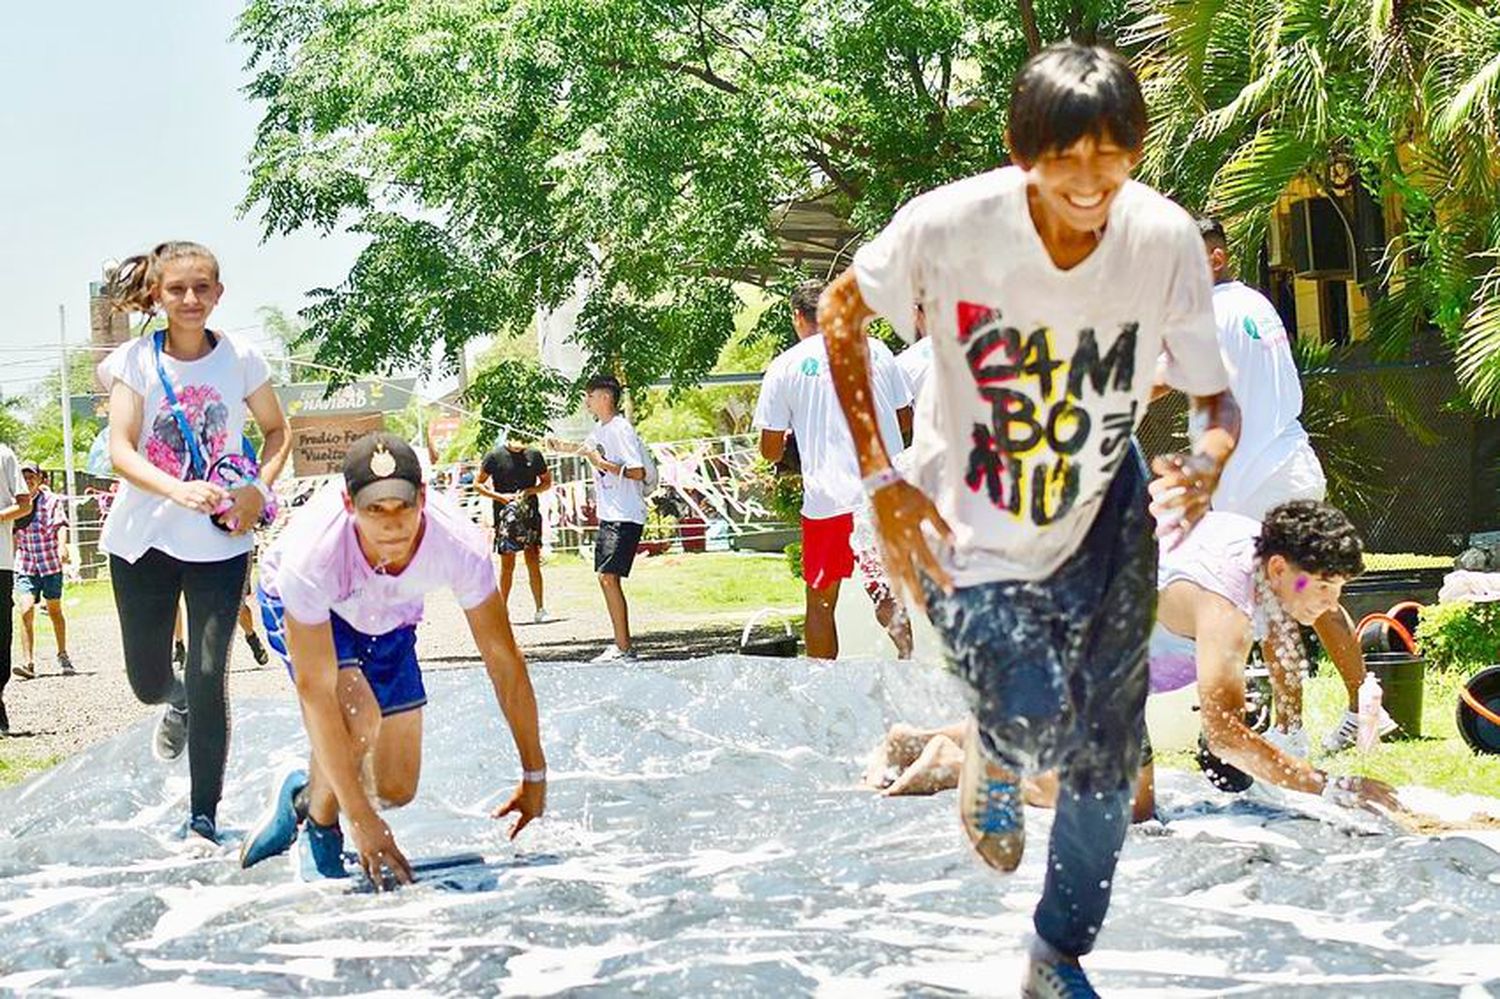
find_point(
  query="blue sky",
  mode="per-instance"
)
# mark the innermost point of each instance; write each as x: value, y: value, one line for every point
x: 121, y: 125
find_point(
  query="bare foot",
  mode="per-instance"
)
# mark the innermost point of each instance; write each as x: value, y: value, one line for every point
x: 935, y: 770
x: 902, y: 745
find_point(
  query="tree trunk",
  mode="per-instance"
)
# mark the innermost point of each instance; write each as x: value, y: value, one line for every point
x: 1028, y: 26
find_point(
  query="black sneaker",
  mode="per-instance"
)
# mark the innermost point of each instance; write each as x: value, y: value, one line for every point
x: 257, y: 649
x: 171, y: 734
x: 24, y: 671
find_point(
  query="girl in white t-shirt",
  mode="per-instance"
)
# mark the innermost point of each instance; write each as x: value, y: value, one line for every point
x: 178, y: 400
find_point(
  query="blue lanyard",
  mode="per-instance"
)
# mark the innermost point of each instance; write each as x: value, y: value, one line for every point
x: 197, y: 466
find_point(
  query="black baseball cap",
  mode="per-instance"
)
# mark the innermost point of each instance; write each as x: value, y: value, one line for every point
x: 380, y: 465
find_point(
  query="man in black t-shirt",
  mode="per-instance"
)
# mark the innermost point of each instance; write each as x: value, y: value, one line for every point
x: 512, y: 476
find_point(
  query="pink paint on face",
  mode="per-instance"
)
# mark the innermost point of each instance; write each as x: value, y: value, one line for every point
x: 1301, y: 583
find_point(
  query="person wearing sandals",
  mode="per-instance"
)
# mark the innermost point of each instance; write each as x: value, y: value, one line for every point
x: 190, y: 495
x: 1049, y: 289
x: 512, y: 476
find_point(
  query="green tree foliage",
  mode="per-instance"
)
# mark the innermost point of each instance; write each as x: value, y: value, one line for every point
x: 40, y: 434
x: 518, y: 395
x: 12, y: 423
x: 1247, y: 97
x: 494, y: 150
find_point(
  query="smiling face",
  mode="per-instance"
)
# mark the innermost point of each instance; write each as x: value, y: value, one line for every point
x: 1303, y: 595
x: 188, y: 290
x: 1076, y: 186
x: 33, y: 481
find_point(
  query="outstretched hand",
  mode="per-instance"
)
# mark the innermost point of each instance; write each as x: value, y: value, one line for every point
x: 900, y: 510
x: 528, y: 802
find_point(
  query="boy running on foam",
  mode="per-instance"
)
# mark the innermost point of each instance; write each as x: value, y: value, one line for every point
x: 341, y: 592
x: 1049, y: 289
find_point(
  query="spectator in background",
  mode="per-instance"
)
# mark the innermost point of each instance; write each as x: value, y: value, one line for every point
x: 41, y: 554
x: 916, y: 361
x: 797, y: 397
x: 513, y: 476
x: 617, y: 454
x: 15, y: 503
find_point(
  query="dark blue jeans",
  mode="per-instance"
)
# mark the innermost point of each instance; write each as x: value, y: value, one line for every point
x: 1056, y: 670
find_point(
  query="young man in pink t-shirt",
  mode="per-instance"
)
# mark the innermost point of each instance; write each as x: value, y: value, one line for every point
x: 341, y: 593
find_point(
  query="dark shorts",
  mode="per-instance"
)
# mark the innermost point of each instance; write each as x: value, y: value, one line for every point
x: 389, y: 661
x: 518, y: 526
x: 615, y: 545
x: 827, y: 550
x: 48, y: 587
x: 1056, y: 668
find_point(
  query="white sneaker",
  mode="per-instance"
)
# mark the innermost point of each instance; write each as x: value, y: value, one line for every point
x: 615, y: 654
x: 543, y: 616
x: 1293, y: 742
x: 1347, y: 733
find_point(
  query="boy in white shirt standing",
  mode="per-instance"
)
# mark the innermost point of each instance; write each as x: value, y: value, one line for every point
x: 617, y: 454
x: 797, y: 396
x: 1049, y: 289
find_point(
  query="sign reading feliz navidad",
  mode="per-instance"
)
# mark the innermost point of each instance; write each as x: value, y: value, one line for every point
x: 314, y: 399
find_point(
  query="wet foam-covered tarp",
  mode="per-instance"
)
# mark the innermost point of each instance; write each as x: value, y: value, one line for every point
x: 705, y: 836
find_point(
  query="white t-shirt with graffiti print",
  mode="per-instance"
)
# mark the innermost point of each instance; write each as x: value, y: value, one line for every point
x: 1040, y: 375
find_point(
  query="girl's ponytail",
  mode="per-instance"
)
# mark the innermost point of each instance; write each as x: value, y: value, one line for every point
x: 132, y: 287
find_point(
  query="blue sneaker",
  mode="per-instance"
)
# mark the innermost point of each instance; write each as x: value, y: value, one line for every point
x: 322, y: 853
x: 199, y: 825
x: 992, y: 808
x: 1056, y: 980
x: 276, y: 830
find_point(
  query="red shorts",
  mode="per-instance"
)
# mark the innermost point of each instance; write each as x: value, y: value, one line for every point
x: 827, y: 555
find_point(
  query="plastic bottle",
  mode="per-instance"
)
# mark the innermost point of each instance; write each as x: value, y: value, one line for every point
x: 1369, y: 713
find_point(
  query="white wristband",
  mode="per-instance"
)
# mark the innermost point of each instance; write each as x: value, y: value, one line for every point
x: 534, y: 776
x: 265, y: 491
x: 876, y: 481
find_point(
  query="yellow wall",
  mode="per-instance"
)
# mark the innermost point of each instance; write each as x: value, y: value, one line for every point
x: 1309, y: 322
x: 1309, y: 317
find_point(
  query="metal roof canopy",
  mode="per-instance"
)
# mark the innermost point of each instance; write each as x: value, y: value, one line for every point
x: 812, y: 236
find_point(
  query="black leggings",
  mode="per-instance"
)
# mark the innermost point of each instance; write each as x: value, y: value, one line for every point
x: 146, y: 594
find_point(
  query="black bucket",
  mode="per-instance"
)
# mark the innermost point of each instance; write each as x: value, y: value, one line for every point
x: 1400, y: 675
x: 1482, y: 734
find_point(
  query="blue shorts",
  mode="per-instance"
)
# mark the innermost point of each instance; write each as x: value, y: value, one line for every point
x: 48, y: 587
x: 389, y: 661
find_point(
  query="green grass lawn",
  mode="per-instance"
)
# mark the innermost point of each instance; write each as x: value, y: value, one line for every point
x: 16, y: 765
x: 671, y: 587
x: 1440, y: 759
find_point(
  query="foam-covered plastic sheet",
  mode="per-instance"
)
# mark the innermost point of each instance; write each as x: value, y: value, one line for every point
x: 706, y: 836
